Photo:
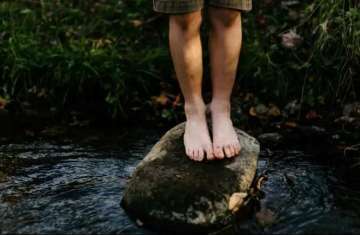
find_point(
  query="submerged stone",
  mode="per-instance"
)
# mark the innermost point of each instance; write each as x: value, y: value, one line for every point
x: 168, y: 191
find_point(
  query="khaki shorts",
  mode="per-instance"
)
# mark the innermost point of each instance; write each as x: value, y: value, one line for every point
x: 185, y: 6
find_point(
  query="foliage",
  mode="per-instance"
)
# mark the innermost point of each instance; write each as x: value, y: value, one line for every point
x: 111, y: 57
x: 77, y: 53
x: 337, y: 46
x: 305, y: 50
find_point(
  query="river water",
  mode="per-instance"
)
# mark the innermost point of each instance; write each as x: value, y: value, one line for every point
x: 68, y: 188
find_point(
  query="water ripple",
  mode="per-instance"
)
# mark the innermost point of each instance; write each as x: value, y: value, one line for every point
x: 80, y: 192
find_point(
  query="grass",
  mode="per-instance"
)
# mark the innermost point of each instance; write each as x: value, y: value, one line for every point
x: 111, y: 57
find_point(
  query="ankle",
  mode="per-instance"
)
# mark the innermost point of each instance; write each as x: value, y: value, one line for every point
x: 220, y: 106
x: 194, y: 109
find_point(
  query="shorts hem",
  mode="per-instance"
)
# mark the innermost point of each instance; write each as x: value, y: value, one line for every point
x: 168, y: 7
x: 242, y: 7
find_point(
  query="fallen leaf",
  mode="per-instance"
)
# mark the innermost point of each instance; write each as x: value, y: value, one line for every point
x: 136, y: 23
x: 260, y: 181
x: 290, y: 124
x: 236, y: 200
x: 345, y: 119
x: 162, y: 99
x: 249, y: 96
x: 252, y: 112
x: 274, y: 111
x: 289, y: 3
x: 261, y: 109
x: 42, y: 93
x: 102, y: 42
x: 292, y: 107
x: 291, y: 39
x: 139, y: 223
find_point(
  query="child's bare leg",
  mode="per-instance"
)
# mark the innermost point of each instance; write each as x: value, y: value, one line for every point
x: 225, y: 44
x: 186, y: 51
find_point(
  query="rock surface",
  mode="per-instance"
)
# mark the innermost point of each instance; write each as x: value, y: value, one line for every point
x: 170, y: 192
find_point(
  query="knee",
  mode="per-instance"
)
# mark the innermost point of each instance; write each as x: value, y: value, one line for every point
x: 224, y: 18
x: 187, y: 23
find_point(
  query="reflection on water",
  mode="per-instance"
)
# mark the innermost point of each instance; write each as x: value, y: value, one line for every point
x: 80, y: 189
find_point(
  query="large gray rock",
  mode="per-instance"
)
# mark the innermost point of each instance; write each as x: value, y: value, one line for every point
x: 168, y: 191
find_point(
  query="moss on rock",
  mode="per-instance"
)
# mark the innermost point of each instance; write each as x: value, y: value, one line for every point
x: 168, y: 191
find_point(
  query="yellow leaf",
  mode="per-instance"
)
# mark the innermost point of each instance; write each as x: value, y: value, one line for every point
x: 236, y: 200
x: 161, y: 99
x: 252, y: 112
x: 274, y: 111
x: 260, y: 182
x: 136, y: 23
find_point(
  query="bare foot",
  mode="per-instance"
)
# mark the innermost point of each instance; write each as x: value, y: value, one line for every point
x: 196, y: 138
x: 225, y: 140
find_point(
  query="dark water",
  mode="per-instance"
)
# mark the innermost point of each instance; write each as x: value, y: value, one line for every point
x: 77, y: 189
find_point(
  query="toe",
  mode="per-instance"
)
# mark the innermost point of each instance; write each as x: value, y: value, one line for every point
x: 192, y: 154
x: 189, y: 153
x: 222, y: 155
x: 232, y: 150
x: 200, y: 155
x: 236, y: 149
x: 239, y: 146
x: 218, y: 152
x: 228, y: 151
x: 195, y: 154
x: 209, y: 153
